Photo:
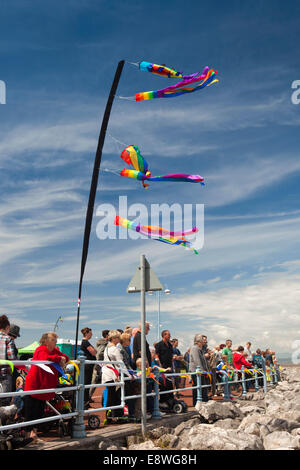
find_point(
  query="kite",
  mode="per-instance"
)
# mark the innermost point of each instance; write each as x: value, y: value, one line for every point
x: 162, y: 70
x: 132, y: 156
x: 163, y: 235
x: 206, y: 78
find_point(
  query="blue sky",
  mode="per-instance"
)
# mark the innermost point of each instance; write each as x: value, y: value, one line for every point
x: 58, y: 60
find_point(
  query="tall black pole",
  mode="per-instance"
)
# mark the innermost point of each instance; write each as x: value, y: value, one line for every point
x: 93, y: 189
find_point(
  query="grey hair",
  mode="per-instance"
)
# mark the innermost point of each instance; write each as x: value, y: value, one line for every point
x: 197, y: 338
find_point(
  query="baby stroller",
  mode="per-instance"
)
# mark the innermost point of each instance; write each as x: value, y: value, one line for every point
x: 11, y: 438
x: 173, y: 405
x: 59, y: 405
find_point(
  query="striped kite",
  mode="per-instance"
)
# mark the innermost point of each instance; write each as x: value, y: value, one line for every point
x: 206, y: 78
x: 132, y: 156
x: 159, y: 233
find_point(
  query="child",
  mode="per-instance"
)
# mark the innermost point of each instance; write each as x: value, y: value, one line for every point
x: 137, y: 391
x: 18, y: 400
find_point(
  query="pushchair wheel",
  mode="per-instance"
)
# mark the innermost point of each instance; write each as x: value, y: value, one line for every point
x: 178, y: 408
x: 94, y: 422
x: 63, y: 430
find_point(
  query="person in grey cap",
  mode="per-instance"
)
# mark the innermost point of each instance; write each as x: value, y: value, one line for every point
x: 14, y: 332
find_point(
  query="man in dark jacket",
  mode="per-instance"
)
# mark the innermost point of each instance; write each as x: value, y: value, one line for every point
x: 164, y: 351
x: 137, y: 345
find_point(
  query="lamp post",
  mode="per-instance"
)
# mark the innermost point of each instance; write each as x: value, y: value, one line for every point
x: 167, y: 292
x: 56, y: 324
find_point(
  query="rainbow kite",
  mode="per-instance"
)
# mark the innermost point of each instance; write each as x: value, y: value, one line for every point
x: 206, y: 78
x: 132, y: 156
x: 159, y: 70
x: 159, y: 233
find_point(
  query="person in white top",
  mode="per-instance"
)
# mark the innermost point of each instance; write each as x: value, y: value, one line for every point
x: 111, y: 374
x: 247, y: 350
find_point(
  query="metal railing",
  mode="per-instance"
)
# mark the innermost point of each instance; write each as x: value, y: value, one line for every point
x: 80, y: 412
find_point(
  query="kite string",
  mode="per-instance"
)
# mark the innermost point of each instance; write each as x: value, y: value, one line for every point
x: 132, y: 63
x: 109, y: 170
x: 128, y: 98
x: 116, y: 140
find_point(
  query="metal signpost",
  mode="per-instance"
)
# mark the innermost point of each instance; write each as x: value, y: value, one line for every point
x: 144, y: 280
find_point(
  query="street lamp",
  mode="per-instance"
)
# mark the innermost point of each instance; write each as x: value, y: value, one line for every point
x: 167, y: 292
x: 56, y: 324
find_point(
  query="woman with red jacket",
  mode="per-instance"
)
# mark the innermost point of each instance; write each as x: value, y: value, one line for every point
x: 38, y: 379
x: 239, y: 360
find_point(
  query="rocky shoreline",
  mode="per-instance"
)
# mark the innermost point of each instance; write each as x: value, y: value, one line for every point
x: 257, y: 422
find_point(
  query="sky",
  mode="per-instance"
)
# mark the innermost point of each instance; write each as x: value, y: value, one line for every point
x: 58, y: 61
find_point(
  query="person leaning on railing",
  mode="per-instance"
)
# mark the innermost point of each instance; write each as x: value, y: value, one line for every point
x: 239, y: 361
x: 39, y: 379
x: 110, y: 374
x: 197, y: 359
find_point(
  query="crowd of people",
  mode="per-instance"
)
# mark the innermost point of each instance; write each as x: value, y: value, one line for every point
x: 125, y: 345
x: 122, y: 345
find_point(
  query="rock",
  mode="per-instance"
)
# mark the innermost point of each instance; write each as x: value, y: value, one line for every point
x: 185, y: 425
x: 296, y: 432
x: 104, y: 444
x: 264, y: 430
x: 227, y: 423
x: 259, y: 396
x: 207, y: 437
x: 274, y: 424
x: 134, y: 439
x: 253, y: 428
x: 160, y: 431
x: 147, y: 445
x: 213, y: 411
x: 280, y: 439
x: 167, y: 441
x: 280, y: 424
x: 250, y: 409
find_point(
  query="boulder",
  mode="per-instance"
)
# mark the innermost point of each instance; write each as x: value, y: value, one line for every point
x: 227, y: 423
x: 281, y: 439
x: 207, y: 437
x: 167, y: 441
x: 253, y: 428
x: 147, y: 445
x: 186, y: 425
x: 160, y: 431
x: 250, y: 409
x: 213, y: 411
x: 105, y: 444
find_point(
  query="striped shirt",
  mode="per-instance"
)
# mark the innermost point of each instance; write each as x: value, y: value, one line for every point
x: 7, y: 351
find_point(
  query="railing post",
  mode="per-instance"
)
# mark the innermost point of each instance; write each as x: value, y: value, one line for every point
x: 265, y: 375
x: 256, y: 381
x: 78, y: 426
x: 199, y: 385
x: 271, y: 375
x: 122, y: 388
x: 156, y: 412
x: 275, y: 375
x: 226, y: 389
x: 244, y: 385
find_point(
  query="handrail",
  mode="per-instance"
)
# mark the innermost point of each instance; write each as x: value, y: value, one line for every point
x: 80, y: 412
